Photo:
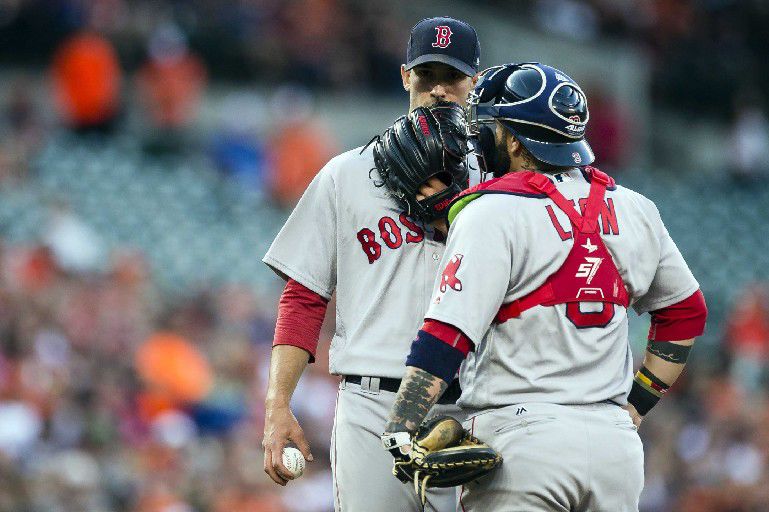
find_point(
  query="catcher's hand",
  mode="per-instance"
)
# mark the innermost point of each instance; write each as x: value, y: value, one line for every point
x: 431, y: 142
x: 441, y: 454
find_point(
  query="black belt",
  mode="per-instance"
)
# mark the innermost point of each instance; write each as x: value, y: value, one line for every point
x: 450, y: 396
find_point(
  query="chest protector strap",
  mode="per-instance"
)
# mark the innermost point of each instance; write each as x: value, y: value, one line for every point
x: 588, y: 274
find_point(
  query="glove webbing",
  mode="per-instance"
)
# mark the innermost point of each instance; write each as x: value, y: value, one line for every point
x: 421, y: 488
x: 420, y: 485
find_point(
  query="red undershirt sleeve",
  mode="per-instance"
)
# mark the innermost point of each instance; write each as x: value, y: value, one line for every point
x: 680, y: 321
x: 448, y: 334
x: 300, y: 316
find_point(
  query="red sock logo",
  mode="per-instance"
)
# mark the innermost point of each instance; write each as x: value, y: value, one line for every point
x: 449, y: 277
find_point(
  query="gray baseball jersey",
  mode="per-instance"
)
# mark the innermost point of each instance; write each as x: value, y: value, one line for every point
x: 542, y: 356
x: 348, y: 235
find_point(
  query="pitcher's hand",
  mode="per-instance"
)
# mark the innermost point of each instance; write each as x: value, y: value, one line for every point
x: 280, y: 427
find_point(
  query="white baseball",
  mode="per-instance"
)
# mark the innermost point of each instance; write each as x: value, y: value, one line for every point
x: 294, y: 461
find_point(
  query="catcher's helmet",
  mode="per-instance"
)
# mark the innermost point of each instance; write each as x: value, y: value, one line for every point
x: 541, y: 106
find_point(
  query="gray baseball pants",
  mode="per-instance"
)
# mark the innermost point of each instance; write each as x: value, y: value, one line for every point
x: 362, y: 469
x: 557, y: 458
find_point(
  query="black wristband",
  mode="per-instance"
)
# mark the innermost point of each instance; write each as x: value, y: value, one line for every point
x: 642, y: 399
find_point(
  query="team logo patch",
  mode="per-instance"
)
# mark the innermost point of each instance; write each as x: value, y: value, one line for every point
x: 577, y: 158
x: 442, y: 36
x: 449, y: 277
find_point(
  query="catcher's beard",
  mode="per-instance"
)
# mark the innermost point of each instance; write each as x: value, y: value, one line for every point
x: 502, y: 157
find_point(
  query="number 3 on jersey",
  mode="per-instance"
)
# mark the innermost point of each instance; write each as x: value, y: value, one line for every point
x: 391, y: 234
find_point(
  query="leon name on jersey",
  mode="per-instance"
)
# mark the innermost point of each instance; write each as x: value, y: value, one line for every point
x: 607, y: 217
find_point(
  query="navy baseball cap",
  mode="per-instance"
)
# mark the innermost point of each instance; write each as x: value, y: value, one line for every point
x: 445, y: 40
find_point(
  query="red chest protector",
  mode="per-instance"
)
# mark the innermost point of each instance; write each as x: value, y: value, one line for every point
x: 589, y: 273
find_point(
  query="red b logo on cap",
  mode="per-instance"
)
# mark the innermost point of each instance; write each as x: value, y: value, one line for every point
x: 442, y: 36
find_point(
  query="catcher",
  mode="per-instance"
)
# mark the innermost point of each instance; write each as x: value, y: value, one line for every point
x: 541, y: 266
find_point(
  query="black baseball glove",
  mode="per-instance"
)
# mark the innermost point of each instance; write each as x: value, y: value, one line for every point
x: 443, y: 454
x: 430, y: 141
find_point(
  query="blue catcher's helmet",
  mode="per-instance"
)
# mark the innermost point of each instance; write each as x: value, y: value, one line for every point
x: 541, y: 106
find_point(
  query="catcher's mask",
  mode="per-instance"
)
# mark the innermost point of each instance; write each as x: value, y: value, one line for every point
x: 542, y: 107
x: 429, y: 142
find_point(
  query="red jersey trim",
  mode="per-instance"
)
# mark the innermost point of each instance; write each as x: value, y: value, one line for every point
x: 681, y: 321
x: 449, y: 335
x: 300, y: 316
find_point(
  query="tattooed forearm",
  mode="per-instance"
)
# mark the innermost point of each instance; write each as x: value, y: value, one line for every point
x: 669, y: 351
x: 418, y: 392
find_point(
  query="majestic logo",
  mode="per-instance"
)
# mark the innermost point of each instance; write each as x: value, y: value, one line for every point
x: 589, y: 269
x: 442, y: 36
x: 590, y: 247
x: 449, y: 277
x: 575, y: 119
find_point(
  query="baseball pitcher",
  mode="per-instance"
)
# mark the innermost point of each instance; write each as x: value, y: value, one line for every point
x: 363, y: 230
x: 541, y: 266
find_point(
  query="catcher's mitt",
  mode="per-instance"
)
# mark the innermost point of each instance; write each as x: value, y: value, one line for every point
x: 430, y: 141
x: 443, y: 454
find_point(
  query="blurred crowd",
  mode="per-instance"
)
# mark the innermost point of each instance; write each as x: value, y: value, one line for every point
x: 707, y: 448
x: 706, y: 54
x: 343, y: 44
x: 90, y: 93
x: 114, y: 398
x: 117, y: 398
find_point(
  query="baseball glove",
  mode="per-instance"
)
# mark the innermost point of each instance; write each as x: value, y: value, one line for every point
x: 443, y: 454
x: 430, y: 141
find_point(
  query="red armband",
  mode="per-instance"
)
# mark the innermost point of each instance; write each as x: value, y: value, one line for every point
x: 300, y: 316
x: 681, y: 321
x: 448, y: 334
